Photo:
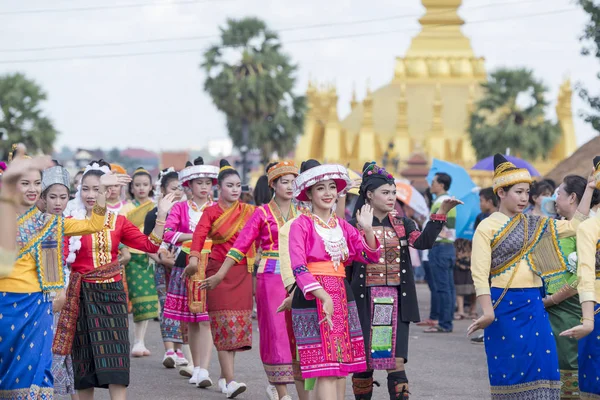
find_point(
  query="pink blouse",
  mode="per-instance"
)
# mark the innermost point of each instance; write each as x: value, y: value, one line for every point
x: 306, y: 246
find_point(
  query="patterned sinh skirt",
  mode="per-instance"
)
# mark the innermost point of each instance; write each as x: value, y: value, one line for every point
x: 230, y: 308
x: 589, y: 362
x: 142, y: 290
x: 275, y: 347
x: 325, y: 351
x: 520, y: 348
x: 101, y: 344
x: 170, y: 329
x: 62, y: 371
x: 177, y: 306
x: 26, y: 346
x: 562, y: 317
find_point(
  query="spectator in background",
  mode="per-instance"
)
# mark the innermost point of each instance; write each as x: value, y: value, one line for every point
x: 488, y: 203
x: 442, y: 257
x: 434, y: 311
x: 537, y: 193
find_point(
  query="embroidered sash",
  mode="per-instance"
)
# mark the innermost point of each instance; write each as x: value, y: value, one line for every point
x: 137, y: 216
x: 598, y: 260
x: 67, y: 322
x: 540, y: 248
x: 231, y: 222
x: 41, y: 236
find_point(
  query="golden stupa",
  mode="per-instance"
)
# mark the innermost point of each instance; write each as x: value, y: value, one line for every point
x: 425, y: 108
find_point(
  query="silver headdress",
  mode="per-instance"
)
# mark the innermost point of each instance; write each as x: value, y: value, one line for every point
x: 55, y: 175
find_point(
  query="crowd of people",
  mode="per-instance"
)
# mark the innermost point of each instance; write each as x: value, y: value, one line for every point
x: 186, y: 250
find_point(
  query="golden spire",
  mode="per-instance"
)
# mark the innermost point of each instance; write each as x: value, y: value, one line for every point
x: 437, y: 126
x: 440, y: 32
x: 353, y: 102
x: 368, y: 109
x: 402, y: 118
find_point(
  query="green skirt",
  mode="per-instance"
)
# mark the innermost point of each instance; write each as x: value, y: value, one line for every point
x: 141, y: 287
x: 564, y: 316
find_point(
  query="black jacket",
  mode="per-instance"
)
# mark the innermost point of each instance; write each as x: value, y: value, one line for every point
x: 407, y: 292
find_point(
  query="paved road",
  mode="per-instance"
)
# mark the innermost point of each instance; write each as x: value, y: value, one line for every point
x: 441, y: 366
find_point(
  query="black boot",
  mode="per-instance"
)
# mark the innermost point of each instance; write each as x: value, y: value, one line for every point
x: 362, y: 385
x: 398, y: 385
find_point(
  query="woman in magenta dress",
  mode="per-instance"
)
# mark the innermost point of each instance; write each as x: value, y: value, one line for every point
x: 181, y: 223
x: 324, y: 314
x: 263, y: 228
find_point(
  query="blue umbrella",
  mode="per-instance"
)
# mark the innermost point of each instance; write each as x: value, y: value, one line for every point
x: 464, y: 189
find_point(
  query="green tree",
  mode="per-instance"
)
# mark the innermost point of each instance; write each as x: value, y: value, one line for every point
x: 511, y: 115
x: 21, y: 117
x: 591, y: 47
x: 250, y: 79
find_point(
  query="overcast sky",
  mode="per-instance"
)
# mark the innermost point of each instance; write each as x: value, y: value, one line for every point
x: 157, y: 101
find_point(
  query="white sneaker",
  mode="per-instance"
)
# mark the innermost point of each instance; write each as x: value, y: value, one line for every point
x: 234, y: 389
x: 286, y: 397
x: 195, y: 376
x: 186, y: 371
x: 203, y: 379
x: 180, y: 359
x: 272, y: 393
x: 222, y: 385
x: 169, y: 360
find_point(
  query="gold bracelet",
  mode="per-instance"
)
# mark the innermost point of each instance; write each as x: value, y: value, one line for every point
x: 586, y: 319
x: 160, y: 223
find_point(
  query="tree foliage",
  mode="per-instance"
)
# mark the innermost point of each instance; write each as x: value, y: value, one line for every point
x: 511, y: 114
x: 250, y: 79
x: 591, y: 47
x: 21, y: 117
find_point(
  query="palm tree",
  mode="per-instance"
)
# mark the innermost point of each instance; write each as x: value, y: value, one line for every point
x: 250, y: 80
x: 511, y: 114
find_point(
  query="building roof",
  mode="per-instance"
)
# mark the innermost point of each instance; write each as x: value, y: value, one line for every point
x: 139, y: 154
x: 175, y: 159
x: 580, y: 162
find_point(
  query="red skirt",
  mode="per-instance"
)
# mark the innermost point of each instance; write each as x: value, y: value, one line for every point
x: 230, y: 308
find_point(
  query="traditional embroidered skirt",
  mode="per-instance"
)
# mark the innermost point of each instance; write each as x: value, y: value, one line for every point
x: 25, y: 346
x: 325, y: 351
x: 386, y: 336
x: 275, y: 349
x: 230, y: 308
x: 177, y: 306
x: 142, y: 290
x: 101, y: 344
x: 564, y: 316
x: 520, y: 348
x: 62, y: 371
x: 589, y: 362
x: 169, y: 328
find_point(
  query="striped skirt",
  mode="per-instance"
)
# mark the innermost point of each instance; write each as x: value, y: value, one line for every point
x: 142, y: 290
x: 520, y: 348
x: 325, y: 351
x: 176, y: 306
x: 101, y: 344
x: 25, y: 346
x: 589, y: 362
x: 62, y: 371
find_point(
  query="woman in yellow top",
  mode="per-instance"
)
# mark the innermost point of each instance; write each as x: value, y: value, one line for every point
x: 518, y: 251
x: 588, y: 272
x: 25, y: 303
x: 139, y: 274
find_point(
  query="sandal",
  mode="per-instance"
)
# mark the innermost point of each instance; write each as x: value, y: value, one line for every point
x: 427, y: 322
x: 460, y: 317
x: 437, y: 329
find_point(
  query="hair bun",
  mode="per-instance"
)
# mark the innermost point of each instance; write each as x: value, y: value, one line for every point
x: 308, y: 164
x: 596, y: 161
x: 188, y: 164
x: 224, y: 163
x: 199, y: 161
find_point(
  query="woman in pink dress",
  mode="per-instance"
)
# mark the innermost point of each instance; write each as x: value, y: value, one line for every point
x: 181, y: 223
x: 324, y: 314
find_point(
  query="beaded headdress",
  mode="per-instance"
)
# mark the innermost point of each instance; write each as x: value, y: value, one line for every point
x: 198, y: 171
x: 55, y: 175
x: 507, y: 174
x: 280, y: 169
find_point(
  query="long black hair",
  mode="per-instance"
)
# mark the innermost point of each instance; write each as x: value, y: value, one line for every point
x: 165, y: 176
x: 263, y: 193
